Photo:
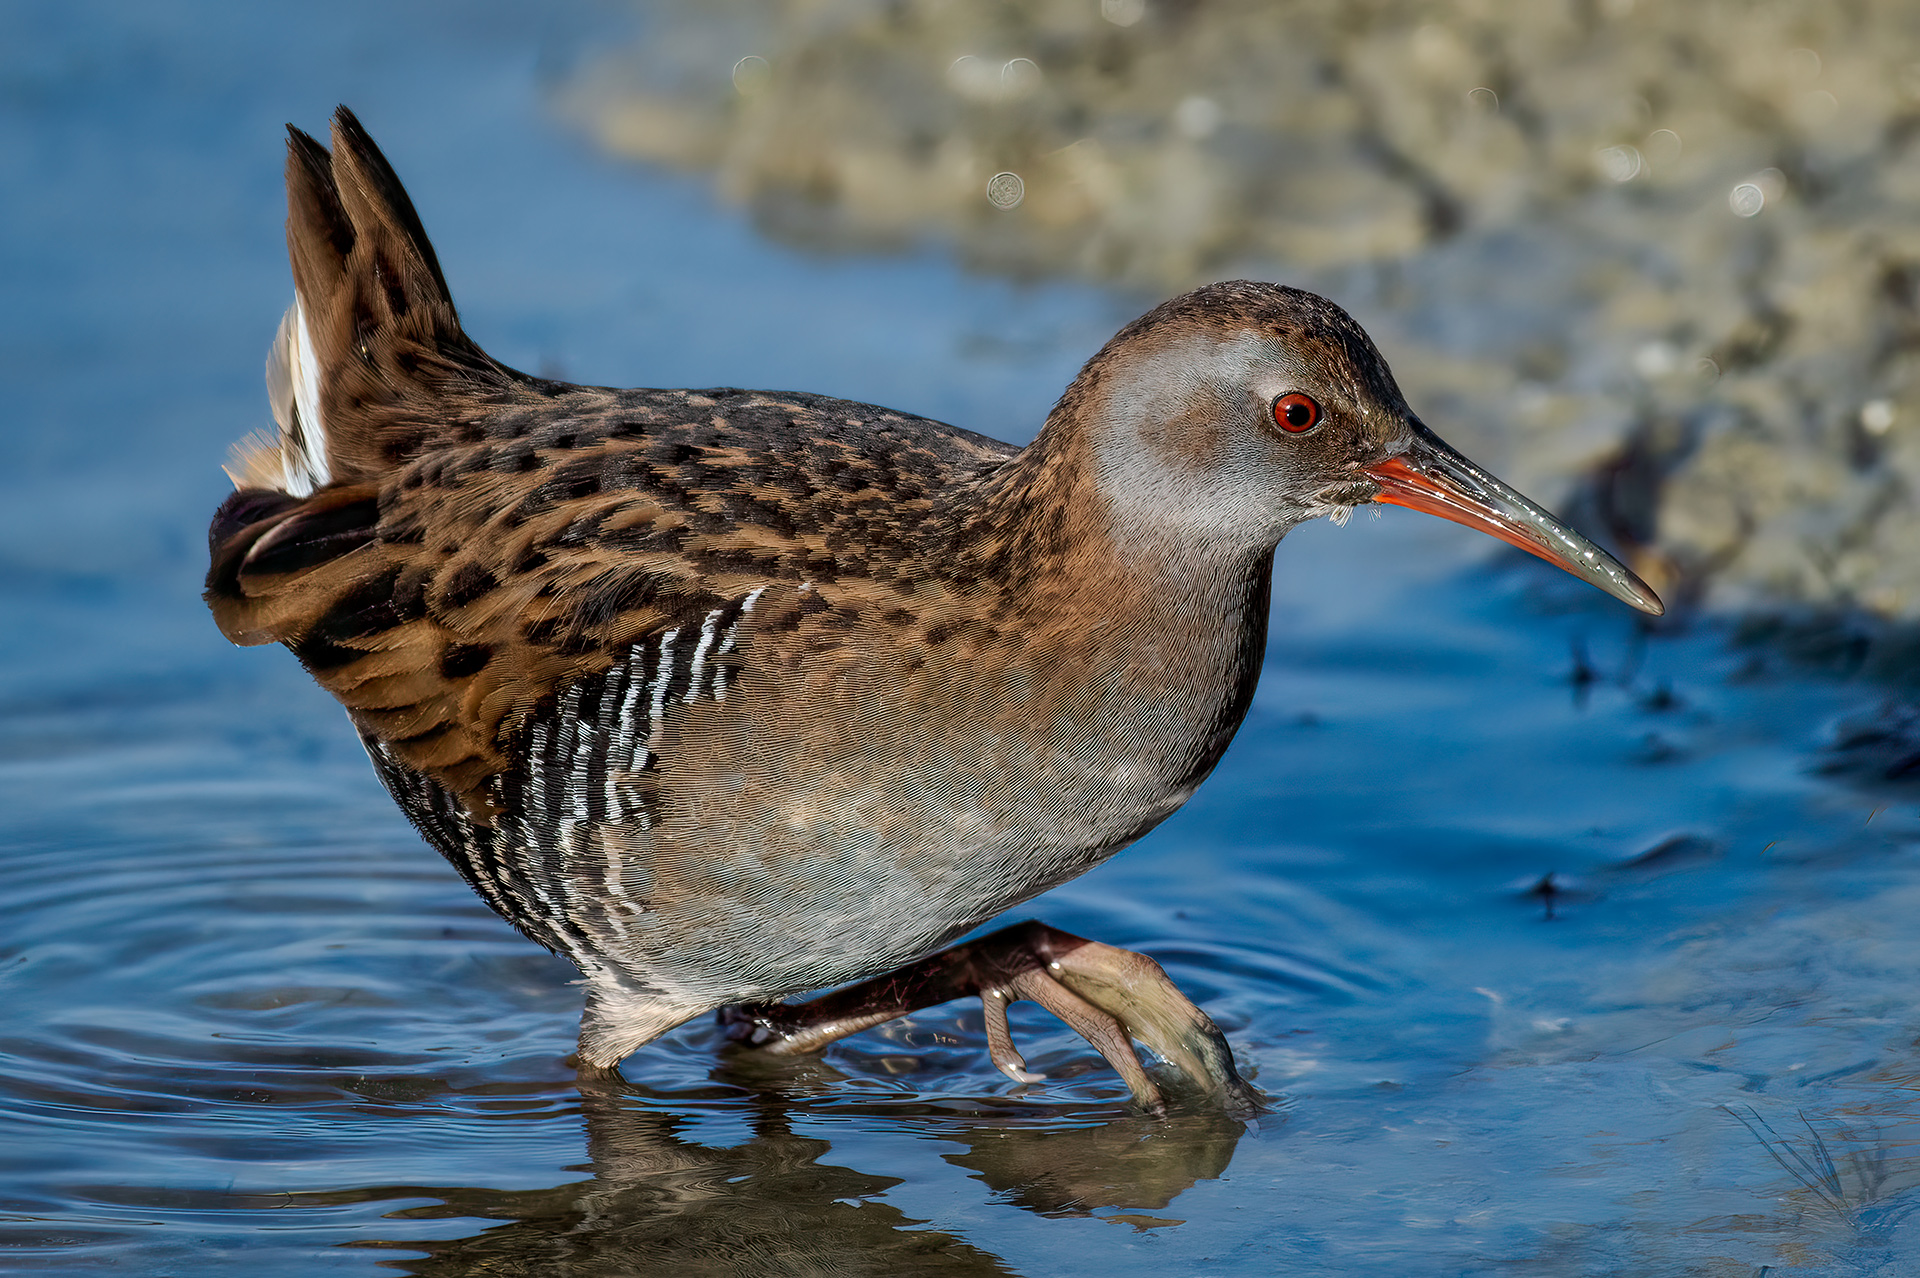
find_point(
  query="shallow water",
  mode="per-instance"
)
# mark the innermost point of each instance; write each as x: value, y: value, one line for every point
x: 252, y: 1025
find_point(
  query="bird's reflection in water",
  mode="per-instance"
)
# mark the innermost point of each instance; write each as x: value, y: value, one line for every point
x: 659, y: 1202
x: 1135, y: 1163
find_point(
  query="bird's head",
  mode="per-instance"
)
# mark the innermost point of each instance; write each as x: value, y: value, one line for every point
x: 1239, y: 410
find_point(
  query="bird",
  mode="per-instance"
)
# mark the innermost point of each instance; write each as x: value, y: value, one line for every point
x: 730, y: 696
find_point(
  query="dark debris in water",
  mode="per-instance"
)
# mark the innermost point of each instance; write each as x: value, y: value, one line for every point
x: 1880, y: 746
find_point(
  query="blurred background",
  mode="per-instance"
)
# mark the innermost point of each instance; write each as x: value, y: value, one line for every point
x: 1666, y: 250
x: 1563, y: 942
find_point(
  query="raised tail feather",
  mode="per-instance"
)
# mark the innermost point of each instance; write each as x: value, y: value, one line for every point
x: 370, y: 362
x: 370, y: 366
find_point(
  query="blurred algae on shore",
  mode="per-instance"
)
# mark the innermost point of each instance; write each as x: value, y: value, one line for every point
x: 1657, y: 261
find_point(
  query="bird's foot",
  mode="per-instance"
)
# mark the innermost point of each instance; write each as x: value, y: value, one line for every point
x: 1137, y: 996
x: 1108, y: 996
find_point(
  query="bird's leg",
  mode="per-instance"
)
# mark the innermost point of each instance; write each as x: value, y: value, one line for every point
x: 1109, y: 996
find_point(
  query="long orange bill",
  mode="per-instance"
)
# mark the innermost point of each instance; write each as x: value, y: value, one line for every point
x: 1432, y: 477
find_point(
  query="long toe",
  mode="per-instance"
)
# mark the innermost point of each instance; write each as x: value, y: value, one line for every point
x: 1136, y: 991
x: 1102, y: 1029
x: 1006, y: 1058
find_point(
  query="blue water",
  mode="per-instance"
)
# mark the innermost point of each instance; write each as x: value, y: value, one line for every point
x: 249, y: 1024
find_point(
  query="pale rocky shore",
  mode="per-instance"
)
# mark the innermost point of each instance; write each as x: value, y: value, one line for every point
x: 1657, y: 262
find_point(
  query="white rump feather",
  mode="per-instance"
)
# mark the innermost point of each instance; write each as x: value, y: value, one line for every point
x: 296, y: 463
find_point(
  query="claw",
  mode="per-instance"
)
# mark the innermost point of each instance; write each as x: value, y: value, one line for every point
x: 1000, y: 1048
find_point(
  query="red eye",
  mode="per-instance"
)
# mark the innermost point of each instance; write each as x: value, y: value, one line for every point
x: 1295, y: 413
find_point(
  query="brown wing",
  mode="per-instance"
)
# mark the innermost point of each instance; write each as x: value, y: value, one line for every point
x: 447, y: 605
x: 443, y: 621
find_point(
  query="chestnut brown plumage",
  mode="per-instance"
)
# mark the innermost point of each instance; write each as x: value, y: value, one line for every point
x: 728, y: 695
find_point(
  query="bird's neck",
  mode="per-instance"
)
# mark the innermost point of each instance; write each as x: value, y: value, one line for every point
x: 1149, y: 609
x: 1048, y: 530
